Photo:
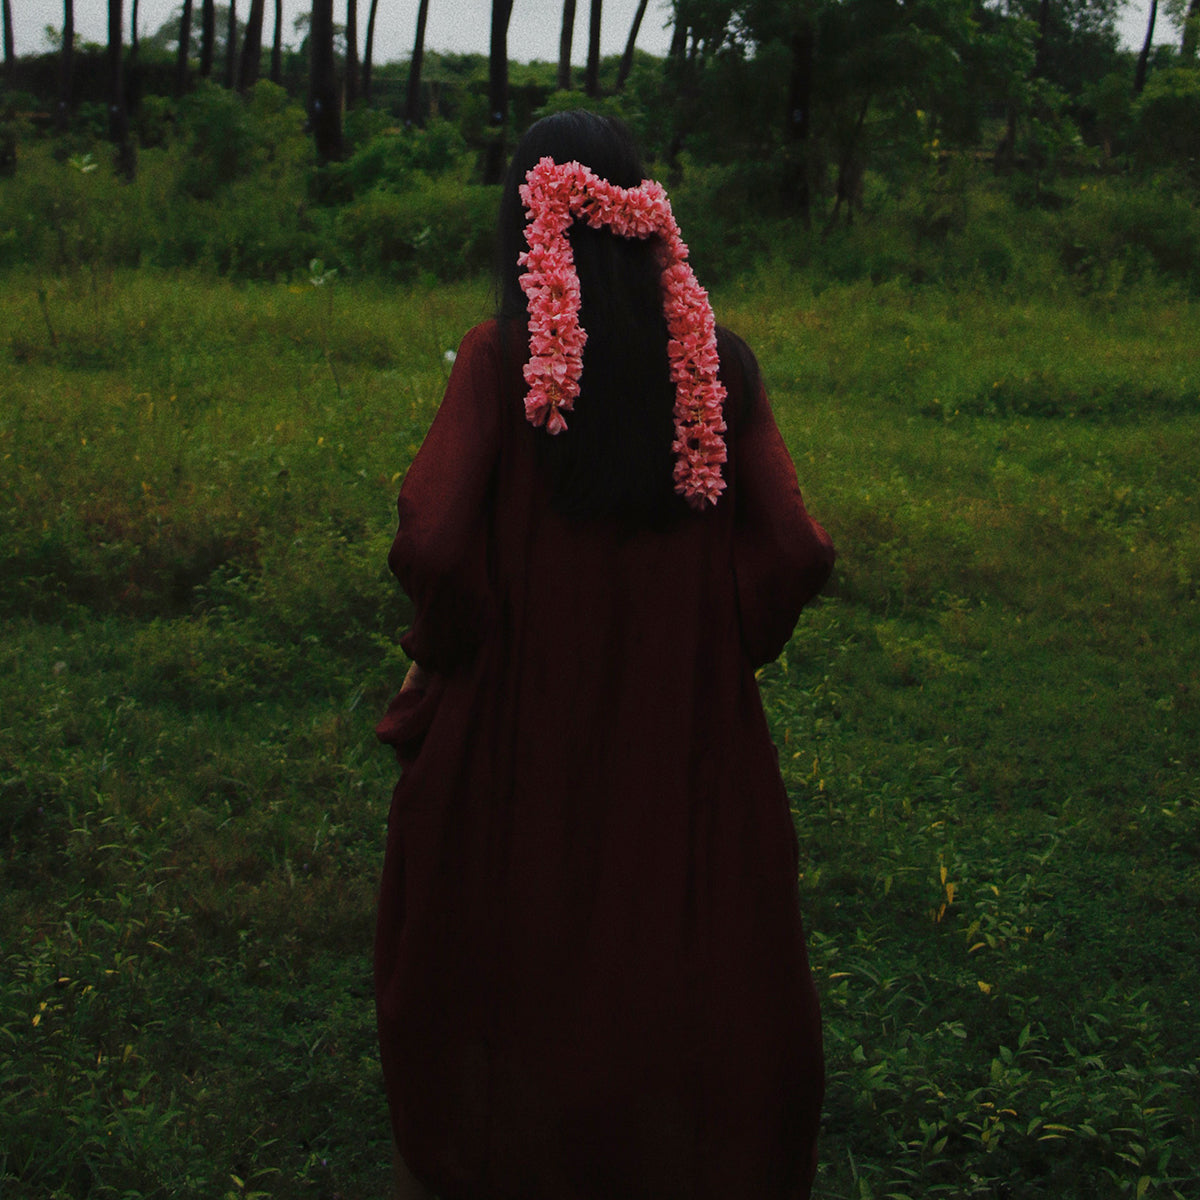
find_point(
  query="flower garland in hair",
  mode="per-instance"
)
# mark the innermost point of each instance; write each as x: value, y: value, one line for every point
x: 555, y: 195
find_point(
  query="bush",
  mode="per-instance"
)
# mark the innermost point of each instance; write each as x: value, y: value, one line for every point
x: 1166, y: 121
x: 439, y: 226
x: 1114, y: 235
x: 224, y: 138
x: 392, y: 157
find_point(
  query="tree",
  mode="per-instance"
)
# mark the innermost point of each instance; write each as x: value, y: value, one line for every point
x: 185, y: 42
x: 133, y: 32
x: 369, y: 50
x: 493, y: 166
x: 251, y: 46
x: 9, y: 57
x: 208, y: 36
x: 591, y: 82
x: 66, y: 66
x: 118, y: 116
x: 627, y: 57
x: 324, y: 112
x: 412, y: 104
x: 1139, y: 79
x: 565, y: 38
x: 231, y: 47
x: 1191, y: 31
x: 277, y: 45
x: 351, y: 51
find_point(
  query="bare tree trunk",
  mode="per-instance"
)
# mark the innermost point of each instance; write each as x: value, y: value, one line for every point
x: 185, y: 42
x: 118, y: 117
x: 369, y: 51
x: 351, y: 52
x: 277, y: 45
x: 493, y: 167
x: 412, y: 103
x: 627, y: 57
x: 591, y: 82
x: 252, y: 47
x: 1139, y: 79
x: 10, y: 57
x: 1039, y: 58
x: 231, y: 47
x: 133, y: 32
x: 1191, y: 32
x: 565, y: 38
x: 325, y: 116
x: 208, y: 36
x: 66, y: 67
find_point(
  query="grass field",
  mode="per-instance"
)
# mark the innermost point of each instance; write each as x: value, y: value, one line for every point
x: 990, y: 727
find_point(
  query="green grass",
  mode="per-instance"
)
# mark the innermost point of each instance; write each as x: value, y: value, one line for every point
x: 989, y: 728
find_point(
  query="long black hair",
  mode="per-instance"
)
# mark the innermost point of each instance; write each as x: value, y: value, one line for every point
x: 615, y: 458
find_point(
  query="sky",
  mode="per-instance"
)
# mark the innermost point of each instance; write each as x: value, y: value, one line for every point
x: 453, y: 25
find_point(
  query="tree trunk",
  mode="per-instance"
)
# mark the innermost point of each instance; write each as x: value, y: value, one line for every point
x: 627, y: 57
x: 66, y: 67
x: 133, y: 32
x: 277, y: 45
x: 231, y: 47
x: 1039, y: 58
x: 185, y: 42
x: 493, y: 166
x: 412, y: 104
x: 208, y: 36
x: 565, y: 38
x: 10, y: 57
x: 1139, y: 79
x: 678, y: 48
x: 1191, y: 32
x: 118, y: 117
x: 325, y: 117
x: 591, y: 82
x: 351, y: 52
x: 252, y: 46
x: 369, y: 51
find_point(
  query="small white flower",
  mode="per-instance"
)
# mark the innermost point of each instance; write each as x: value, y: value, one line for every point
x: 449, y: 356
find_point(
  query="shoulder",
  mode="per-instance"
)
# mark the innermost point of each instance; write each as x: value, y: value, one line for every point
x: 482, y: 340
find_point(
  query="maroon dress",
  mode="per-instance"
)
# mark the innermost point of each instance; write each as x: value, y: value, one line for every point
x: 590, y: 970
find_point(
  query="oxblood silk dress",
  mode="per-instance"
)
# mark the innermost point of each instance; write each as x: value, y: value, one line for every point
x: 590, y: 969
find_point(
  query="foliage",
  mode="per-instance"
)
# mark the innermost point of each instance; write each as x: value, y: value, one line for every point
x: 988, y: 729
x: 1167, y: 122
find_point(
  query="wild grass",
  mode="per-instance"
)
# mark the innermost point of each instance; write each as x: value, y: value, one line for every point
x: 989, y: 728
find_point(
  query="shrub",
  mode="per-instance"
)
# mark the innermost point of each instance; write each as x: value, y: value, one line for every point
x: 439, y: 226
x: 393, y: 157
x: 1113, y: 235
x: 1166, y: 121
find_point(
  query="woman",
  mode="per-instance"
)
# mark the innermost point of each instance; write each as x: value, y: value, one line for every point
x: 591, y: 977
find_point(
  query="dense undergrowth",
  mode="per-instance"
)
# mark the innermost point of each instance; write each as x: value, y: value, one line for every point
x: 231, y: 186
x: 989, y: 727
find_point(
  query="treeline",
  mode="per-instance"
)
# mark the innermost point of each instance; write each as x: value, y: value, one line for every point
x: 777, y: 124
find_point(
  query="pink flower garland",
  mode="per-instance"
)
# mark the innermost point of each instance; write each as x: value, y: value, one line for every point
x: 554, y: 195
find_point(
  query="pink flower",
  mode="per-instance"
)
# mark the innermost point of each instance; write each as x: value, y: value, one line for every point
x: 556, y: 194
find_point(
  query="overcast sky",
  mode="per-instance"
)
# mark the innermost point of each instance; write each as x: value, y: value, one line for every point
x: 455, y: 25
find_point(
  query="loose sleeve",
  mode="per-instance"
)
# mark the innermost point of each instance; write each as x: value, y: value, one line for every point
x: 440, y: 553
x: 782, y: 557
